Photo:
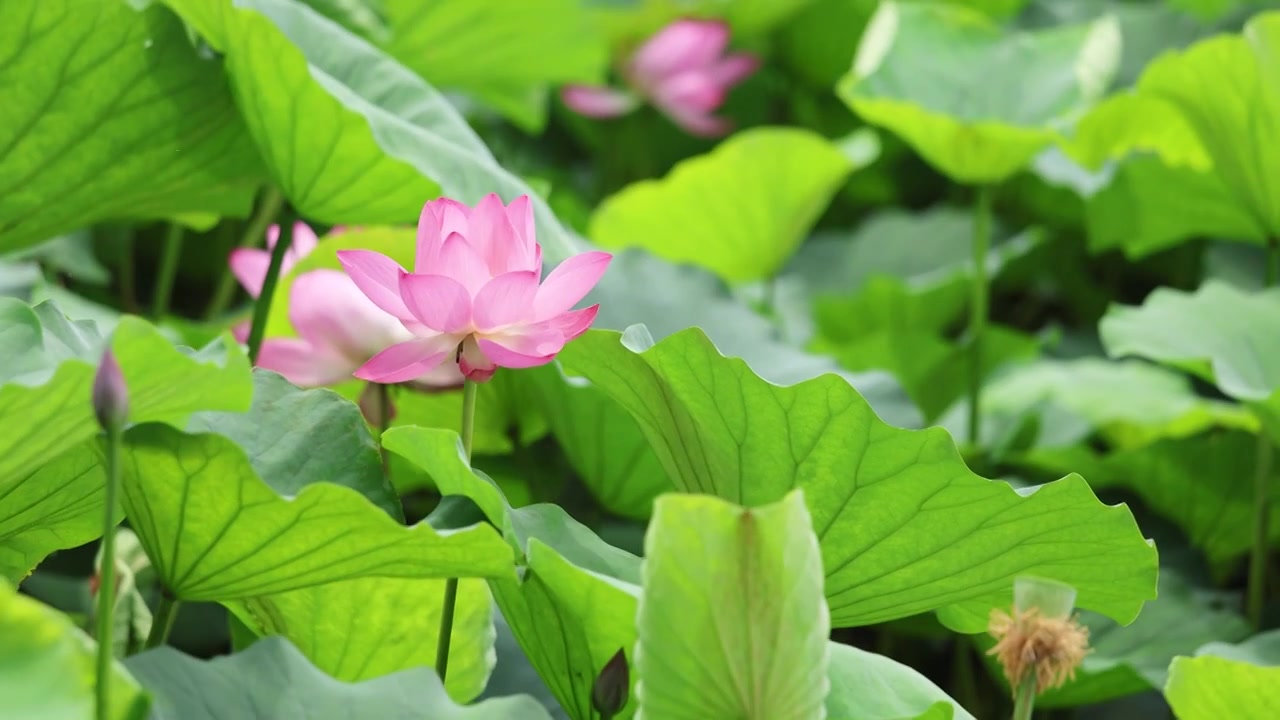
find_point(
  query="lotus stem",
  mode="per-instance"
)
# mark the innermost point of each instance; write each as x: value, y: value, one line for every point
x: 168, y: 270
x: 451, y: 585
x: 1256, y: 595
x: 262, y: 308
x: 1025, y: 700
x: 267, y: 210
x: 978, y: 308
x: 162, y: 623
x: 107, y: 576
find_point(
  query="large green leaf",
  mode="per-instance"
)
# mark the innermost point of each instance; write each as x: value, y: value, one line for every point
x: 112, y: 113
x: 740, y: 210
x: 216, y: 531
x: 51, y: 479
x: 1129, y: 403
x: 272, y: 679
x: 1148, y: 206
x: 380, y: 140
x: 732, y: 621
x: 866, y: 686
x: 360, y: 629
x: 1203, y: 483
x: 1228, y: 94
x: 1210, y: 687
x: 693, y: 297
x: 976, y: 101
x: 1225, y: 335
x: 905, y: 527
x: 47, y: 666
x: 574, y: 605
x: 294, y: 438
x: 1128, y: 660
x: 504, y: 54
x: 601, y: 441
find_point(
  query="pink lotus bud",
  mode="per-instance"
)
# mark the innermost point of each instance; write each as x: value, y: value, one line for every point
x: 474, y: 298
x: 110, y: 395
x: 683, y: 70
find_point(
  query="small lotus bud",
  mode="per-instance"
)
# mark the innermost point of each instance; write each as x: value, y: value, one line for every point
x: 1039, y: 638
x: 609, y: 693
x: 110, y: 395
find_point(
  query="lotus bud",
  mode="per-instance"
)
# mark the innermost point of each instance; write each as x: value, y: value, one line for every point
x: 110, y: 395
x: 609, y: 693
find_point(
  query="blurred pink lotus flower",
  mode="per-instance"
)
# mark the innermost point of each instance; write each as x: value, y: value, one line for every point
x: 474, y: 298
x: 339, y: 329
x: 682, y: 70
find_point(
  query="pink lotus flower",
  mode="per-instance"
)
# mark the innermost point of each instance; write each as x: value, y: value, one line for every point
x: 474, y: 296
x: 338, y: 328
x: 682, y: 70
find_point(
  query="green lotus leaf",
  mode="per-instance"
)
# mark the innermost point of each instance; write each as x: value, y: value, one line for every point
x: 298, y: 437
x: 1230, y: 98
x: 601, y: 441
x: 370, y: 627
x: 894, y: 510
x: 1169, y: 476
x: 504, y: 55
x: 51, y: 477
x: 694, y: 297
x: 380, y: 140
x: 943, y: 77
x: 732, y: 621
x: 741, y: 210
x: 118, y: 117
x: 575, y: 588
x: 215, y: 530
x: 1130, y: 404
x: 1148, y: 206
x: 1225, y: 335
x: 48, y: 666
x: 866, y: 686
x: 1209, y: 687
x: 272, y: 679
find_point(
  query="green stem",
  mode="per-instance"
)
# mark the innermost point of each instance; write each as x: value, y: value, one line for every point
x: 262, y: 308
x: 1024, y: 702
x: 1273, y: 262
x: 168, y: 270
x: 126, y: 276
x: 162, y: 622
x: 451, y: 585
x: 1256, y: 595
x: 384, y: 418
x: 267, y: 210
x: 107, y: 577
x: 978, y: 308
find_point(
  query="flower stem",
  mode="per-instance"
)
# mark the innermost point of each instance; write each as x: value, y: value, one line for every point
x: 1025, y: 700
x: 125, y: 275
x: 168, y: 270
x: 267, y: 210
x: 451, y: 585
x: 1256, y: 596
x: 162, y: 623
x: 978, y: 308
x: 262, y: 308
x: 107, y: 576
